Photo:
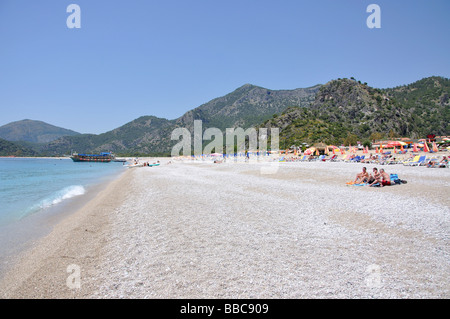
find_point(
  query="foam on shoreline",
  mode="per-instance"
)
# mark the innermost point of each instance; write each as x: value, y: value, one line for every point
x: 208, y: 230
x: 33, y: 239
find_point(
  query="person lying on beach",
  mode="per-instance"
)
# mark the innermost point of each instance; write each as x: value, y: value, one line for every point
x: 443, y: 162
x: 434, y: 163
x: 361, y: 177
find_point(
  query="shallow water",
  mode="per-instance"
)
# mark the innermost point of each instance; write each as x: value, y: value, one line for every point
x: 37, y: 192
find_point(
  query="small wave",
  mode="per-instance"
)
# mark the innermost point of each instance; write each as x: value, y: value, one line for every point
x: 65, y: 193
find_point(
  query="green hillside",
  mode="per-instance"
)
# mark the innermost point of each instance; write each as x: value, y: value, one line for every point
x: 33, y: 131
x: 8, y: 148
x: 346, y: 111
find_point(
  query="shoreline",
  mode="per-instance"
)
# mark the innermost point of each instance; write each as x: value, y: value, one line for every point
x: 204, y: 230
x: 72, y: 233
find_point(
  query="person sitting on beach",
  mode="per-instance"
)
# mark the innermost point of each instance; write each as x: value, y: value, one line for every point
x: 375, y: 178
x: 385, y: 179
x: 362, y: 177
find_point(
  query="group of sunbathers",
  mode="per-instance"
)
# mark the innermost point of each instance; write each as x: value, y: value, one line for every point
x: 378, y: 177
x: 442, y: 163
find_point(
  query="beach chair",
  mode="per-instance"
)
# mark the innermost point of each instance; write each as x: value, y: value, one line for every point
x: 320, y: 158
x: 332, y: 158
x: 349, y: 159
x: 356, y: 159
x: 420, y: 161
x: 414, y: 160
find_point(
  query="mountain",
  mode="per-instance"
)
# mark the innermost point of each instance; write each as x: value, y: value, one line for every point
x: 33, y: 131
x: 144, y: 135
x: 346, y: 111
x: 428, y: 103
x: 341, y: 111
x: 247, y: 106
x: 8, y: 148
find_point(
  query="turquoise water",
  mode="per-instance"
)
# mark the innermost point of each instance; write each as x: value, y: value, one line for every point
x: 30, y: 185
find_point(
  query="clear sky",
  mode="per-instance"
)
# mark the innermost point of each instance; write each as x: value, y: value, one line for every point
x: 165, y: 57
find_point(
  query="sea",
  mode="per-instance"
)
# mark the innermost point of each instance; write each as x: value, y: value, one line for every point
x: 35, y: 193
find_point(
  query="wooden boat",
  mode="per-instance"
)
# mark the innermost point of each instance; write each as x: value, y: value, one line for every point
x: 100, y: 158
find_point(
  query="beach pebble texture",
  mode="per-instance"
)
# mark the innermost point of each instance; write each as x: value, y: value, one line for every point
x: 289, y: 230
x: 204, y: 230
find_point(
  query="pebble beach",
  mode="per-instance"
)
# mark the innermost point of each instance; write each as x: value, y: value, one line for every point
x: 190, y: 229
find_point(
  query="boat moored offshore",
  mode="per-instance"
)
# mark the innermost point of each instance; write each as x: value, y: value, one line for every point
x: 104, y: 157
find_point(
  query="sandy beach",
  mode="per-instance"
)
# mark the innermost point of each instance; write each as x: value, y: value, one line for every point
x: 204, y: 230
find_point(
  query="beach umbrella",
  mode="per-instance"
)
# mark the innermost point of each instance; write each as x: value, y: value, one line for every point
x: 415, y: 148
x: 395, y: 150
x: 309, y: 151
x: 425, y: 147
x: 396, y: 143
x: 376, y: 149
x: 435, y: 149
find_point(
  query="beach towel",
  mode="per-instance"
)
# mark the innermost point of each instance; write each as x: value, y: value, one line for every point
x: 396, y: 180
x: 352, y: 183
x: 394, y: 177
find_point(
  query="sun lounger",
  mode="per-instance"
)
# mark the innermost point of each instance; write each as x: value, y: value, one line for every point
x: 414, y: 160
x: 332, y: 158
x: 320, y: 158
x: 420, y: 161
x: 356, y: 159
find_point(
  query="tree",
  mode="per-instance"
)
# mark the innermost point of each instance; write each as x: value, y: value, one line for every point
x: 392, y: 134
x: 367, y: 143
x: 351, y: 139
x: 376, y: 136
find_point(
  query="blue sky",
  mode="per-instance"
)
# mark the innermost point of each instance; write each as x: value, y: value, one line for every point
x: 163, y: 58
